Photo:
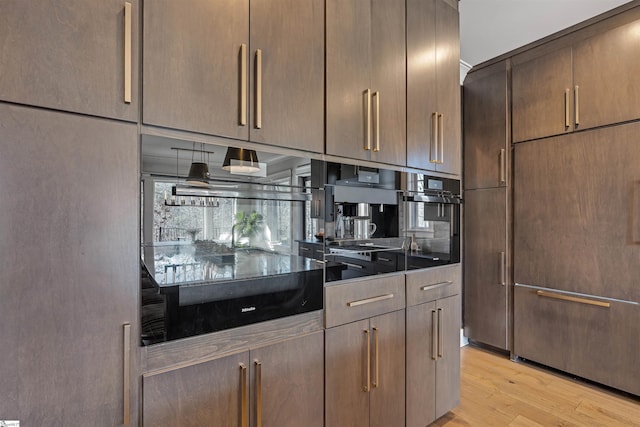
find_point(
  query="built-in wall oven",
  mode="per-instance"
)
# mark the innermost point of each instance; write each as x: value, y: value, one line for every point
x: 432, y: 220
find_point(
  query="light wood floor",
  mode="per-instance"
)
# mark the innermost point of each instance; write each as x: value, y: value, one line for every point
x: 498, y: 392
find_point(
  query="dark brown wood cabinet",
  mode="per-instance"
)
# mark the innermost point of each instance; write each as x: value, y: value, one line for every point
x: 433, y: 86
x: 69, y: 278
x: 251, y: 70
x: 72, y: 56
x: 366, y: 80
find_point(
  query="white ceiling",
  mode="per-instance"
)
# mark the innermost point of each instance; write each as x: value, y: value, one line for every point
x: 489, y: 28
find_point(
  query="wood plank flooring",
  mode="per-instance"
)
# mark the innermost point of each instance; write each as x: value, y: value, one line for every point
x: 498, y: 392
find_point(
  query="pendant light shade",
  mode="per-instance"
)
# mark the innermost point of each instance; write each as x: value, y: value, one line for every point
x: 198, y: 174
x: 240, y: 160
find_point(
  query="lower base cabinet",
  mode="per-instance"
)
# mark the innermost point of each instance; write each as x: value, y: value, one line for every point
x: 278, y: 385
x: 365, y: 370
x: 586, y: 336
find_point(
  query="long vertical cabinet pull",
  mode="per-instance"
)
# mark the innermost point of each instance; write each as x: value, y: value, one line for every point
x: 376, y: 382
x: 503, y: 166
x: 243, y: 392
x: 127, y: 53
x: 567, y: 118
x: 503, y: 269
x: 433, y: 148
x: 258, y: 393
x: 376, y: 123
x: 126, y: 372
x: 367, y: 385
x: 577, y: 104
x: 434, y: 335
x: 441, y: 138
x: 440, y: 335
x: 259, y: 89
x: 367, y: 143
x: 243, y: 85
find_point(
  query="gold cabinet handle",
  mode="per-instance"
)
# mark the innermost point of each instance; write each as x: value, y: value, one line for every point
x: 376, y: 123
x: 577, y: 104
x: 436, y: 285
x: 376, y: 382
x: 440, y: 335
x: 434, y: 335
x: 126, y: 371
x: 433, y: 147
x: 503, y: 166
x: 503, y: 269
x: 258, y: 88
x: 369, y: 300
x: 573, y: 299
x: 441, y: 138
x: 567, y: 118
x: 258, y: 393
x: 367, y: 383
x: 127, y: 52
x: 367, y: 94
x: 243, y: 85
x: 243, y: 392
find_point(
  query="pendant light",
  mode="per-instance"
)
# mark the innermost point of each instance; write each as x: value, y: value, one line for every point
x: 240, y: 160
x: 199, y: 171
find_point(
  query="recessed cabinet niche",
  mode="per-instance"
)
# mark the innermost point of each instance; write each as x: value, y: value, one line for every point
x: 251, y: 70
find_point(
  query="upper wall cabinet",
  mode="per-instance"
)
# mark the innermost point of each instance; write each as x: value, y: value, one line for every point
x: 79, y: 56
x: 366, y: 80
x: 433, y: 86
x: 588, y: 84
x: 213, y: 67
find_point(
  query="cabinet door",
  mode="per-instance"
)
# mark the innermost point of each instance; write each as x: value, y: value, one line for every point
x: 576, y: 225
x: 605, y: 73
x: 448, y: 367
x: 486, y: 119
x: 68, y: 275
x: 486, y: 266
x: 287, y: 383
x: 289, y: 104
x: 195, y: 76
x: 209, y: 393
x: 347, y: 375
x: 541, y: 95
x: 348, y: 68
x: 421, y: 82
x: 70, y: 55
x: 422, y: 353
x: 448, y: 87
x: 387, y: 403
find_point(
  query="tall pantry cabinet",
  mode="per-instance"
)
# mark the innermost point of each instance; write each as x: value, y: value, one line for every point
x: 487, y: 201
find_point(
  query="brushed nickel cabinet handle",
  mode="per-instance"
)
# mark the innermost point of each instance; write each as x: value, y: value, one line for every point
x: 376, y: 382
x: 127, y: 53
x: 434, y: 335
x: 503, y: 269
x: 440, y: 335
x: 573, y: 299
x: 126, y: 368
x: 376, y: 123
x: 369, y: 300
x: 258, y: 393
x: 243, y: 392
x: 567, y: 118
x: 441, y: 138
x: 577, y: 106
x: 503, y: 166
x: 258, y: 88
x: 367, y: 145
x: 243, y: 85
x: 433, y: 147
x: 367, y: 377
x: 436, y: 285
x: 384, y: 259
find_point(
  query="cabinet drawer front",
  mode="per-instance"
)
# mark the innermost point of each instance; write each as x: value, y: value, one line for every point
x: 589, y: 337
x: 362, y: 299
x: 432, y: 284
